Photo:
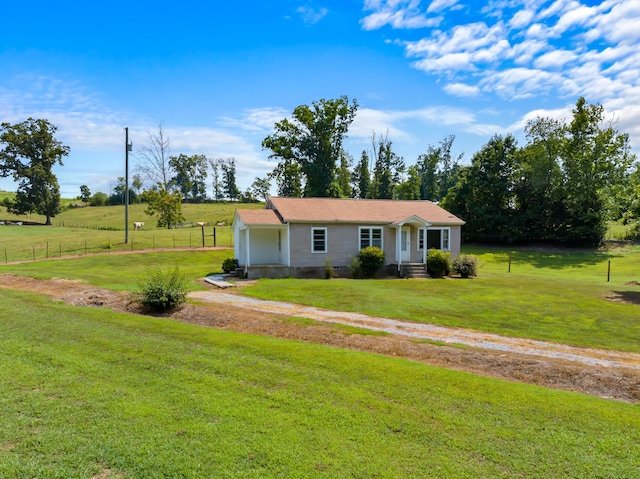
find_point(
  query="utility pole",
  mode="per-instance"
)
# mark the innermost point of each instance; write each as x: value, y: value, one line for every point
x: 127, y: 148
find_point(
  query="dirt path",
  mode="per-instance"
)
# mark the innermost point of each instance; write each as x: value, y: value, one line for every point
x: 606, y: 374
x: 476, y: 339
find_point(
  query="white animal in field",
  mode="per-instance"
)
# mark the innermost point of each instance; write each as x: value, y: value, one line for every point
x: 137, y: 225
x: 200, y: 223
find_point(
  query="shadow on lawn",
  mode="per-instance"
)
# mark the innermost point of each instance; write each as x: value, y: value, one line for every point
x: 630, y: 297
x: 562, y: 260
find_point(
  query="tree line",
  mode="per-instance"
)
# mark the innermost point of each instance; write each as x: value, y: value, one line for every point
x: 563, y: 185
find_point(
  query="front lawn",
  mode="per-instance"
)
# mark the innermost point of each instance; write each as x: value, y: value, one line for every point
x: 561, y: 297
x: 88, y: 392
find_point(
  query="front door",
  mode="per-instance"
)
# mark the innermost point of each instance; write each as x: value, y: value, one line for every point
x: 405, y: 245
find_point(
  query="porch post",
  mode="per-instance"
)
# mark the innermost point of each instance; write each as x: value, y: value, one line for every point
x: 247, y: 242
x: 424, y: 246
x: 288, y: 246
x: 398, y: 246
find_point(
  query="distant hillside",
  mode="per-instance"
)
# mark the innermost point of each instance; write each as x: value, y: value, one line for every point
x: 112, y: 217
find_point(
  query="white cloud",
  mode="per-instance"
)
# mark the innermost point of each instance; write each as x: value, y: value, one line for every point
x: 563, y: 113
x: 555, y: 59
x: 518, y: 83
x: 399, y: 14
x: 439, y: 5
x: 311, y: 15
x: 258, y: 120
x: 398, y: 123
x: 461, y: 89
x: 617, y: 25
x: 521, y: 19
x: 526, y: 51
x: 462, y: 49
x: 575, y: 15
x: 527, y: 48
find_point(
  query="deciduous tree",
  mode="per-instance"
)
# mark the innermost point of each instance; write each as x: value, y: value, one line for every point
x: 165, y: 204
x: 361, y: 177
x: 190, y: 176
x: 29, y: 154
x: 313, y: 139
x: 85, y: 194
x: 153, y: 158
x: 260, y: 188
x: 595, y: 157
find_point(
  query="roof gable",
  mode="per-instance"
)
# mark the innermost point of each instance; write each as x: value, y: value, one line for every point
x: 258, y: 217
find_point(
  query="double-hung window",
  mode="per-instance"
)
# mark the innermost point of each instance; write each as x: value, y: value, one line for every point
x: 437, y: 238
x: 318, y: 240
x: 370, y: 236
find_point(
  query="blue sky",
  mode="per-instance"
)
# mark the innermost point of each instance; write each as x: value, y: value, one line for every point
x: 218, y: 75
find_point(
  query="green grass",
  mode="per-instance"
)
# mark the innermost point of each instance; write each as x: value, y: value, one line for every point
x: 85, y: 390
x: 335, y: 327
x: 79, y: 231
x: 123, y: 272
x: 553, y: 297
x: 112, y: 217
x: 557, y: 297
x: 29, y: 243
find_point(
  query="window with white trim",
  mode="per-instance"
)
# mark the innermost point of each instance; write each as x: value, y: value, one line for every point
x: 318, y: 240
x: 370, y: 236
x: 437, y: 238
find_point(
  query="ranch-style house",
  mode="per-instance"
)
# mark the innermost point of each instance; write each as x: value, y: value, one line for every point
x: 297, y: 236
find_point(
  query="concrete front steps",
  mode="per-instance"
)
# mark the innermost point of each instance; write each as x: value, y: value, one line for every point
x: 413, y: 270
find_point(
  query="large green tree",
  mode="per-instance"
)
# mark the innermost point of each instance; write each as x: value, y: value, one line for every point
x: 484, y: 195
x: 438, y: 170
x: 165, y: 204
x: 288, y: 178
x: 229, y: 187
x: 595, y: 157
x: 387, y: 169
x: 361, y: 177
x: 313, y: 138
x: 29, y: 154
x: 190, y: 176
x: 539, y: 184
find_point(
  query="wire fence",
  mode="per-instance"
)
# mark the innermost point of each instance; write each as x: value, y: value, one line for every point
x: 140, y: 241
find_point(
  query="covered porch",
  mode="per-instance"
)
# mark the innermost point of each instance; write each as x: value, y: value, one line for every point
x: 262, y: 246
x: 410, y: 251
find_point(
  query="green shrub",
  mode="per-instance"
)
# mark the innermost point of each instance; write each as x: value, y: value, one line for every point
x: 230, y: 264
x: 328, y: 269
x: 162, y: 290
x: 371, y: 260
x: 437, y: 263
x: 355, y: 267
x: 466, y: 265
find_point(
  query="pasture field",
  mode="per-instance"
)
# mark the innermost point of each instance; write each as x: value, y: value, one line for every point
x: 88, y: 392
x: 112, y: 217
x: 80, y: 231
